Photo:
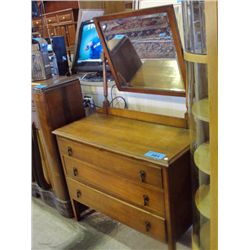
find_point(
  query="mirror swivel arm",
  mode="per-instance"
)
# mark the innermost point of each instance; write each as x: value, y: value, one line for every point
x: 106, y: 103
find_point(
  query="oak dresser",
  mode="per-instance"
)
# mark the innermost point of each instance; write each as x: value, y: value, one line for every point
x: 112, y: 165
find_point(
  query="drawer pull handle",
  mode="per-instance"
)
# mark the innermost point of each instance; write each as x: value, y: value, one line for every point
x: 75, y: 171
x: 78, y: 193
x: 70, y: 152
x: 147, y: 226
x: 146, y: 200
x: 142, y: 175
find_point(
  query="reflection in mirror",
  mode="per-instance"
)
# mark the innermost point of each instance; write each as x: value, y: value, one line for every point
x: 143, y: 52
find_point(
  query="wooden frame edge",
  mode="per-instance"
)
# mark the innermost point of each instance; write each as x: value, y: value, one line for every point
x: 176, y: 38
x: 147, y: 117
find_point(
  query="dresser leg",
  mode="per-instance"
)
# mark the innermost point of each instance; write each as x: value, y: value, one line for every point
x: 76, y: 209
x: 168, y: 211
x: 171, y: 244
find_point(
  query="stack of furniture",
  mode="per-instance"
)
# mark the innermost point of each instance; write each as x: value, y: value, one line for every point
x: 58, y: 23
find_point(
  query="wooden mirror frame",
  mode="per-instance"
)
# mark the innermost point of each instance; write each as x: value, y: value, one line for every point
x: 169, y: 10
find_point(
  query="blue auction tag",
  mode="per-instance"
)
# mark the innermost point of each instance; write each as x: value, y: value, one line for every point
x: 118, y: 36
x: 40, y: 86
x: 155, y: 155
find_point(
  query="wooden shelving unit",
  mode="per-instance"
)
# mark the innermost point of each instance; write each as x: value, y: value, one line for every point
x: 202, y: 157
x: 195, y: 245
x: 205, y: 236
x: 200, y: 110
x: 202, y: 200
x: 204, y: 242
x: 201, y: 56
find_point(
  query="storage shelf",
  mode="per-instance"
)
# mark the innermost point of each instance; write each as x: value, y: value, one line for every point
x: 205, y: 236
x: 202, y: 200
x: 202, y: 157
x: 200, y: 109
x: 204, y: 242
x: 195, y: 245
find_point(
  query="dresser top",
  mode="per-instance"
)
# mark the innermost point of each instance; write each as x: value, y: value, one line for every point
x: 54, y: 82
x: 129, y: 137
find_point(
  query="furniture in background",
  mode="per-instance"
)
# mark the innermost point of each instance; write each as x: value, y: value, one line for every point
x: 108, y: 6
x: 40, y: 170
x: 59, y: 18
x: 58, y: 23
x: 201, y: 55
x: 51, y: 6
x: 58, y: 101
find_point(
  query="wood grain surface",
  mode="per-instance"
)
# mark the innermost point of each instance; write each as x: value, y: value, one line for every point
x: 117, y: 209
x: 105, y: 160
x: 129, y: 137
x: 117, y: 186
x: 200, y: 110
x: 202, y: 200
x: 202, y: 157
x: 147, y: 117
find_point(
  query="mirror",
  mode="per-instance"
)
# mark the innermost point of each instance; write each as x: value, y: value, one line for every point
x: 143, y: 49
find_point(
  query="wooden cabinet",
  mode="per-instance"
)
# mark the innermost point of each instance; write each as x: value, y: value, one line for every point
x: 60, y: 31
x: 108, y: 6
x: 71, y: 33
x: 51, y: 19
x: 58, y: 23
x: 105, y: 166
x: 57, y: 103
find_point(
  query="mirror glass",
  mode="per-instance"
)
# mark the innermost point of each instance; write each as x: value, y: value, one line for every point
x: 143, y: 53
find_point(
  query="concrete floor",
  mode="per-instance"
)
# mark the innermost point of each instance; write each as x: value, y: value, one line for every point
x: 50, y: 231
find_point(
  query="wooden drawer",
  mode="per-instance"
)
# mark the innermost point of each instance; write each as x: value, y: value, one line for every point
x: 67, y: 17
x: 125, y: 213
x: 52, y: 31
x: 143, y: 195
x: 37, y: 22
x: 124, y: 166
x: 51, y: 20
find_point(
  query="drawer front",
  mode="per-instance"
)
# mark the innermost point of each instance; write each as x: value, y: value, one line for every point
x: 67, y: 17
x: 37, y: 22
x: 144, y: 196
x: 51, y: 20
x: 136, y: 170
x: 71, y: 34
x: 51, y: 31
x: 136, y: 218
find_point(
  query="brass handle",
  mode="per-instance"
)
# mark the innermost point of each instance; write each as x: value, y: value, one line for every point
x: 70, y: 151
x: 52, y: 34
x: 63, y: 17
x: 147, y: 226
x: 75, y: 171
x: 78, y: 193
x: 49, y: 20
x: 37, y: 22
x: 146, y: 200
x: 142, y: 175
